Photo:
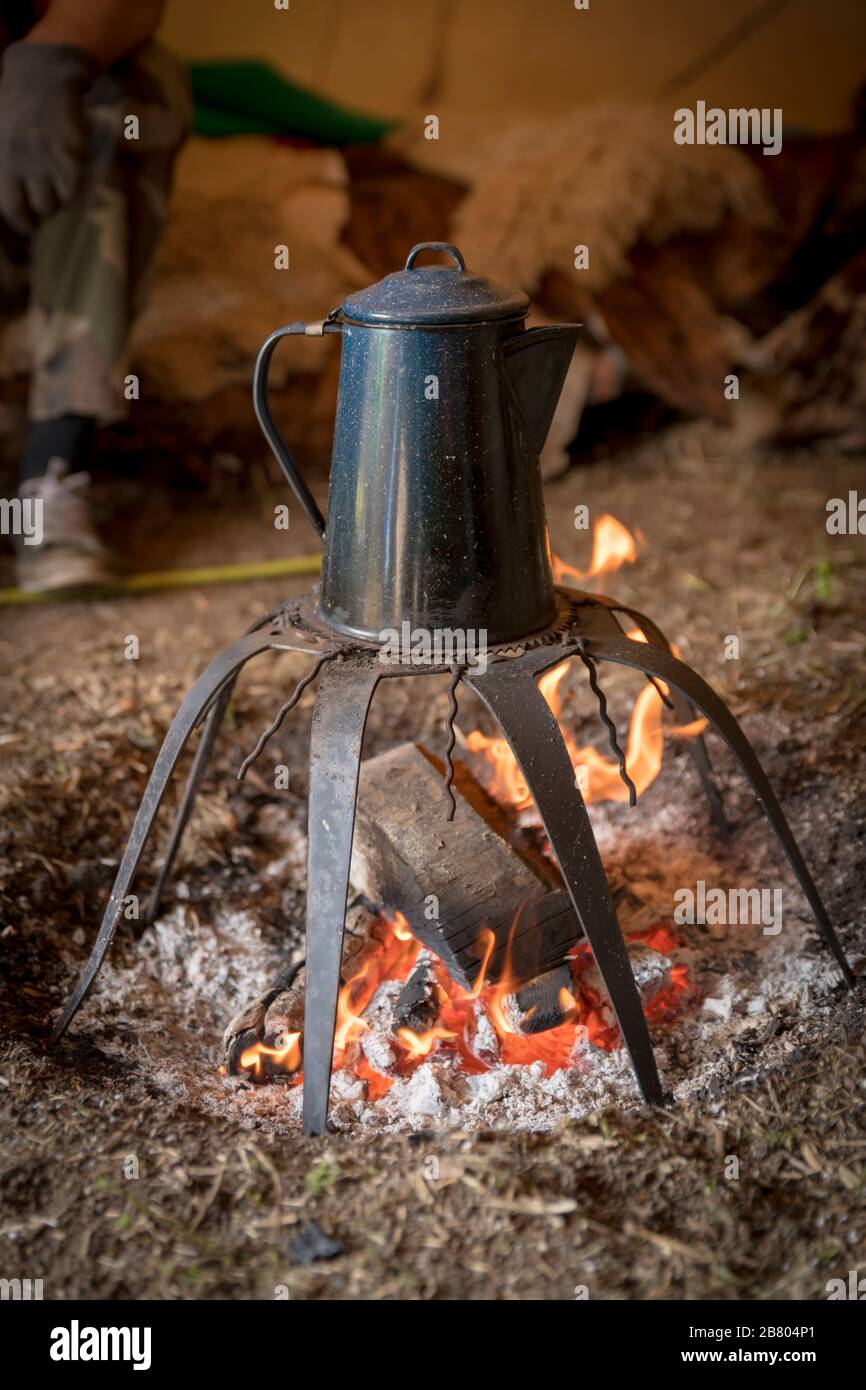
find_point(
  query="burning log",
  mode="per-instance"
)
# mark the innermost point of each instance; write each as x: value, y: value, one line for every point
x: 258, y: 1022
x: 418, y: 1003
x: 545, y: 1002
x: 549, y: 1001
x: 479, y: 902
x: 264, y: 1041
x: 483, y: 905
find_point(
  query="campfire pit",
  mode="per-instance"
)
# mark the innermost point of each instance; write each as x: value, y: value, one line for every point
x: 406, y: 995
x: 474, y: 559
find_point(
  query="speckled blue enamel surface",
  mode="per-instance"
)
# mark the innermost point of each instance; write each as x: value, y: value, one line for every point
x: 435, y: 515
x: 435, y: 512
x: 434, y: 294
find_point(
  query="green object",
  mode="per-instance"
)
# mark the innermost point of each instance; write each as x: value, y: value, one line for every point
x: 214, y: 123
x: 175, y: 579
x: 250, y: 98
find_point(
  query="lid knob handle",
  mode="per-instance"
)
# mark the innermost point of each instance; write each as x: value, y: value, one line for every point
x: 434, y: 246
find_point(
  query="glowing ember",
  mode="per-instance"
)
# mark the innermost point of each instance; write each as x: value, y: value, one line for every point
x: 390, y: 956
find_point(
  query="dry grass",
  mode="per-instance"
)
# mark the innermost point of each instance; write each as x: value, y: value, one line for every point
x: 632, y: 1205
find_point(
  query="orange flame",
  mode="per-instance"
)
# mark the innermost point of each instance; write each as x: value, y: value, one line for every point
x: 613, y: 545
x: 350, y: 1025
x: 597, y: 776
x: 418, y: 1045
x: 586, y: 1014
x: 286, y: 1058
x: 359, y: 990
x: 496, y: 994
x: 401, y: 928
x: 567, y: 1004
x: 489, y: 940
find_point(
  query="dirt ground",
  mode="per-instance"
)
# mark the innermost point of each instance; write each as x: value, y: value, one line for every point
x: 628, y: 1203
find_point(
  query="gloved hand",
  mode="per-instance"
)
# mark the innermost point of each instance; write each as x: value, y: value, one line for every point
x: 43, y: 129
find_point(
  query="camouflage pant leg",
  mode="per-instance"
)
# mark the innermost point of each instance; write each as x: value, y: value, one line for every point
x: 92, y: 261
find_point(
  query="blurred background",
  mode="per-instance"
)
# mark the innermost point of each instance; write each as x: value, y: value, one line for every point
x: 504, y: 57
x: 552, y: 127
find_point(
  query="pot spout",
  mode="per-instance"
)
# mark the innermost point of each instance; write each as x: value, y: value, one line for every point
x: 536, y: 362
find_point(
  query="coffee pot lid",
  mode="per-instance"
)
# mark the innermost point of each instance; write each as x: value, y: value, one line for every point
x: 431, y: 294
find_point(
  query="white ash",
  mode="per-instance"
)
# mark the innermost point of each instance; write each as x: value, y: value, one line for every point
x: 651, y: 970
x: 379, y: 1013
x: 421, y: 1092
x: 162, y: 1002
x: 346, y: 1086
x: 484, y: 1042
x: 378, y: 1051
x: 487, y: 1087
x: 720, y: 1008
x: 199, y: 965
x: 376, y: 1042
x: 720, y: 1001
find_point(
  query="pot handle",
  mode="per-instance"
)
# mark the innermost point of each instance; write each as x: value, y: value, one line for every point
x: 435, y: 246
x: 266, y: 419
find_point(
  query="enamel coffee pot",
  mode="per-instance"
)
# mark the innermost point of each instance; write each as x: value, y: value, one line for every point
x: 435, y: 512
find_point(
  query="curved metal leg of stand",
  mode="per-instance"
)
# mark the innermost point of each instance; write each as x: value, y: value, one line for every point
x: 653, y: 661
x: 697, y: 747
x: 345, y: 691
x: 212, y: 727
x: 215, y: 676
x: 522, y: 713
x: 213, y: 724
